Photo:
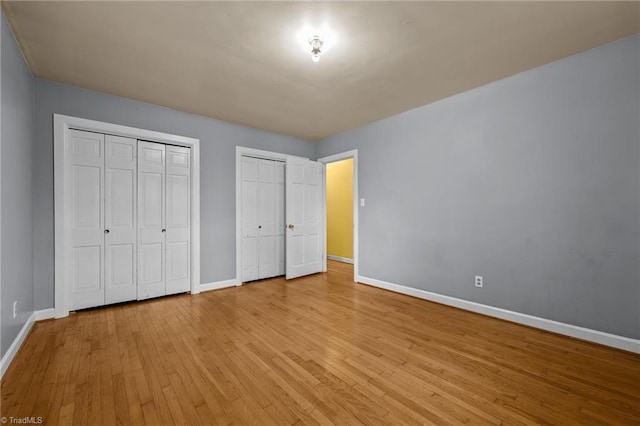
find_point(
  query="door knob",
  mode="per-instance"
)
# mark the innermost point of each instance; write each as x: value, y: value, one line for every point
x: 106, y: 231
x: 291, y: 226
x: 259, y: 226
x: 164, y: 230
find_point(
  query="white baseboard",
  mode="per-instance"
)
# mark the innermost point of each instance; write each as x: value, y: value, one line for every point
x: 340, y: 259
x: 19, y: 340
x: 17, y: 343
x: 45, y: 314
x: 219, y: 284
x: 620, y: 342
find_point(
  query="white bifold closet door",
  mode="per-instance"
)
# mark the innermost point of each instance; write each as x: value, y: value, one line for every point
x: 130, y: 225
x: 164, y: 230
x: 178, y: 219
x: 263, y: 219
x: 151, y: 220
x: 103, y: 219
x: 120, y: 219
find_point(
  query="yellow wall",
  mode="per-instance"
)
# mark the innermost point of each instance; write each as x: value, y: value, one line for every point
x: 340, y: 208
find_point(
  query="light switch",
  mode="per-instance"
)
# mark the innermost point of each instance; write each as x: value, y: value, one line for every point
x: 361, y: 202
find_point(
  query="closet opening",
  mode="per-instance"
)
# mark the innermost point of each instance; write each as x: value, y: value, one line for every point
x: 279, y: 225
x: 126, y: 214
x: 263, y: 218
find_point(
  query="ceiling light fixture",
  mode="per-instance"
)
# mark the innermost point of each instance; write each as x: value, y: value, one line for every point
x: 316, y: 44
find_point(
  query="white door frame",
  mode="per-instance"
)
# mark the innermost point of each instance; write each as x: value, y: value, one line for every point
x: 331, y: 159
x: 62, y: 199
x: 251, y: 152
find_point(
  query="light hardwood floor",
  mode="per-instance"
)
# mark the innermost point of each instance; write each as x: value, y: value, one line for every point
x: 317, y: 350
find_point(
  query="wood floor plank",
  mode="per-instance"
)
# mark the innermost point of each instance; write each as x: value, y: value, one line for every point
x: 315, y: 350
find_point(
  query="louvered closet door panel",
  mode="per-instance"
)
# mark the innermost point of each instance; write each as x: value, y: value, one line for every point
x: 151, y: 220
x: 178, y: 219
x: 86, y: 150
x: 120, y: 219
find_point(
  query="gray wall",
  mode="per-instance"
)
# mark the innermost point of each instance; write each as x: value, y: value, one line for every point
x: 17, y: 145
x: 532, y: 182
x: 218, y: 140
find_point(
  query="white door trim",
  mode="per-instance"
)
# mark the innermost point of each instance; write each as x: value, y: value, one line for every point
x: 330, y: 159
x: 61, y: 126
x: 251, y: 152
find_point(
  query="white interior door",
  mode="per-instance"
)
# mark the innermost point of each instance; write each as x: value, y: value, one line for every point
x: 267, y: 266
x: 120, y: 219
x: 262, y: 218
x: 249, y: 190
x: 178, y: 213
x: 281, y: 224
x: 86, y: 150
x: 151, y: 220
x: 303, y: 212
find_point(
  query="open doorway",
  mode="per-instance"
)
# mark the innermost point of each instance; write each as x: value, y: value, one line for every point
x: 341, y: 208
x: 339, y: 181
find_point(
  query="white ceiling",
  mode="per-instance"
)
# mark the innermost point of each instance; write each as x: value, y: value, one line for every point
x: 243, y: 61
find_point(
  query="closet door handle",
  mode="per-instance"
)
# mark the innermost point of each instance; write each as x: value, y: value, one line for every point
x: 106, y: 231
x: 259, y: 226
x: 164, y: 230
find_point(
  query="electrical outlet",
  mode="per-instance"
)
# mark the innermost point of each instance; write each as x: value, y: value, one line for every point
x: 15, y: 308
x: 479, y: 281
x: 361, y: 202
